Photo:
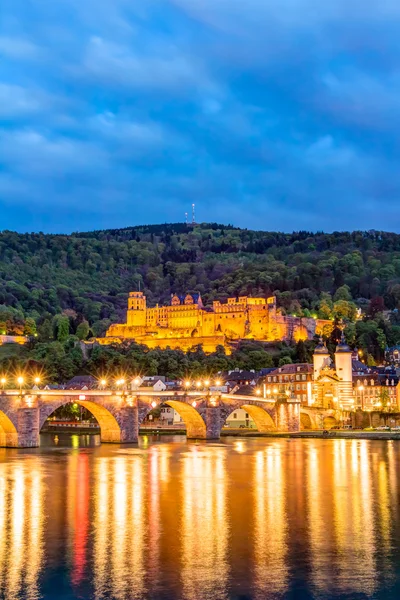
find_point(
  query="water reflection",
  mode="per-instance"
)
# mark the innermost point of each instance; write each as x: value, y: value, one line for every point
x: 204, y: 571
x: 21, y: 529
x: 270, y: 522
x: 253, y: 518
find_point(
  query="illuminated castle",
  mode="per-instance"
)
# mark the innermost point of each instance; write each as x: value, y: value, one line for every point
x: 186, y: 322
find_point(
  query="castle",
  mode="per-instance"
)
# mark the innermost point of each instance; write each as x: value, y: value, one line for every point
x: 186, y: 323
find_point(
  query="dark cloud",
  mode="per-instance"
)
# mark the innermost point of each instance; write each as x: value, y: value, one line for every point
x: 277, y: 115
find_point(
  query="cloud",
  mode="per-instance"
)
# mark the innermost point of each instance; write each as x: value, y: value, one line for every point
x: 266, y: 114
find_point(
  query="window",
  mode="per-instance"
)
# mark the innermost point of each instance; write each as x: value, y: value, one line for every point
x: 303, y: 377
x: 298, y: 387
x: 234, y: 415
x: 297, y: 377
x: 247, y: 416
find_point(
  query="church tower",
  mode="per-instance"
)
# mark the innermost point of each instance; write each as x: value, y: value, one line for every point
x: 344, y: 371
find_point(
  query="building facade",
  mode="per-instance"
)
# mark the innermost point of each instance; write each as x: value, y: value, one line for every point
x: 186, y: 322
x: 295, y: 380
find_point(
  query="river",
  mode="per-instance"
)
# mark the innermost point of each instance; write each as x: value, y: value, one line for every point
x: 241, y: 519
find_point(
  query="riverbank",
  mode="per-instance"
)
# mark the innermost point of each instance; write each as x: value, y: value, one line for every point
x: 345, y: 434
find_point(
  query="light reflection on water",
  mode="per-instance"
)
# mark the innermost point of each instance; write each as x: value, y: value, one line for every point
x: 250, y: 518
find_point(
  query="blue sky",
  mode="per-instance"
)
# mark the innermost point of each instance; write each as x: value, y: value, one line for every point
x: 279, y: 115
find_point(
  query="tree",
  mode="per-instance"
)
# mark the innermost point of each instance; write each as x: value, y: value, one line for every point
x: 45, y: 330
x: 342, y: 309
x: 325, y: 306
x: 30, y: 327
x: 82, y: 331
x: 343, y: 293
x: 62, y: 326
x: 285, y: 360
x: 384, y: 397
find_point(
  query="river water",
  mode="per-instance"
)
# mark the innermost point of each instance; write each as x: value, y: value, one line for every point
x: 241, y: 519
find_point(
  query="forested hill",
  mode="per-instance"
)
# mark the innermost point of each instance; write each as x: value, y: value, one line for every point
x: 92, y: 273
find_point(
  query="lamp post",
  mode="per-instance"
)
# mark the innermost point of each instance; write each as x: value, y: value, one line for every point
x: 3, y: 382
x: 20, y: 381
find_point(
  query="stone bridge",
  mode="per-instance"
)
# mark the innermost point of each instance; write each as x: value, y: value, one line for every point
x: 119, y: 414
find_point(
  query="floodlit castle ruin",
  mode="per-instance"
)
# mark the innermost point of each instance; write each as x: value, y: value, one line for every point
x: 186, y: 323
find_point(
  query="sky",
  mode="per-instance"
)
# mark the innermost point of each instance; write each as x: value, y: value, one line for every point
x: 274, y: 115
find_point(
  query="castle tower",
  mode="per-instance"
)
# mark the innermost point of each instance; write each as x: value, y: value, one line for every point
x: 344, y: 371
x: 320, y: 358
x: 136, y: 315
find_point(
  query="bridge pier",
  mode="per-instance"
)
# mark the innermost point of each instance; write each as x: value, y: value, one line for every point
x: 288, y: 416
x: 213, y: 422
x: 28, y: 427
x: 129, y: 425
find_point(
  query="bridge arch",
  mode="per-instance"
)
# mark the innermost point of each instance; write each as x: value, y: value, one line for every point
x: 110, y: 430
x: 329, y: 421
x: 195, y: 424
x: 8, y: 431
x: 307, y: 420
x: 261, y: 417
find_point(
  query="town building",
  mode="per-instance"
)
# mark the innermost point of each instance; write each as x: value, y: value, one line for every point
x: 294, y: 380
x: 186, y: 323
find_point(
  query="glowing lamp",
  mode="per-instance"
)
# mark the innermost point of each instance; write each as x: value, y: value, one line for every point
x: 217, y: 382
x: 37, y: 380
x: 194, y: 403
x: 103, y: 382
x: 154, y: 404
x: 198, y: 384
x: 207, y: 383
x: 20, y: 380
x: 187, y: 384
x: 82, y: 397
x: 136, y: 381
x: 258, y: 392
x: 3, y: 380
x: 275, y: 391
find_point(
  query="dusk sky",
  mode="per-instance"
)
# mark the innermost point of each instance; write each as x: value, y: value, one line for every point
x: 279, y: 115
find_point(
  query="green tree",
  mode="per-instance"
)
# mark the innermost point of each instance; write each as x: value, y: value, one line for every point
x: 62, y: 326
x: 82, y: 331
x: 30, y: 327
x: 343, y: 293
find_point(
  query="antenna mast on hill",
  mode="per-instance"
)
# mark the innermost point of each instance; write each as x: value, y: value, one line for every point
x: 193, y: 215
x: 186, y: 218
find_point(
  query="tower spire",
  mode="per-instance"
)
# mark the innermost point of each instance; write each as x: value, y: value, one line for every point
x: 193, y: 215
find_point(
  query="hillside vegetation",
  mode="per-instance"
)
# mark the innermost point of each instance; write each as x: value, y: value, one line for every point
x: 58, y: 285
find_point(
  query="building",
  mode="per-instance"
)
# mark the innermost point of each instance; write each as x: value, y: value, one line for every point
x: 186, y: 323
x: 333, y: 381
x: 376, y: 391
x: 294, y: 380
x: 392, y: 355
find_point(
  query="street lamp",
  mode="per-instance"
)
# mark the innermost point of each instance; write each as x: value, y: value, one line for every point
x: 37, y: 380
x: 187, y: 384
x: 3, y: 382
x: 217, y: 382
x: 103, y: 383
x: 20, y: 381
x: 198, y: 384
